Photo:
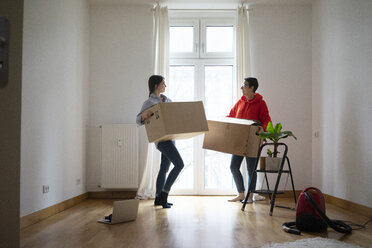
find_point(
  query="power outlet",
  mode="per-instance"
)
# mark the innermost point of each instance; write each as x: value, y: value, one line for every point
x: 78, y: 181
x: 45, y: 189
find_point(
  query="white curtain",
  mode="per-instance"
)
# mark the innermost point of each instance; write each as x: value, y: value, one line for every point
x: 161, y: 64
x: 161, y: 41
x: 243, y: 67
x: 243, y: 60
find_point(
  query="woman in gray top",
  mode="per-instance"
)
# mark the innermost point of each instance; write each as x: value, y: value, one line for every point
x: 169, y: 152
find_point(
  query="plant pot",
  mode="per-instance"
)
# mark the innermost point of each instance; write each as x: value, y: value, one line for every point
x: 272, y: 163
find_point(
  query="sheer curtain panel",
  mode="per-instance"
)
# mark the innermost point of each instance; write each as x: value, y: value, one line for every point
x: 243, y: 64
x: 160, y: 64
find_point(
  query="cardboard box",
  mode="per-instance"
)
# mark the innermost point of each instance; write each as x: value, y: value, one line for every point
x: 176, y: 120
x: 232, y: 135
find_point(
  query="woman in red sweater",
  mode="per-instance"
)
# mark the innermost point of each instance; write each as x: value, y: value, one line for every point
x: 250, y: 106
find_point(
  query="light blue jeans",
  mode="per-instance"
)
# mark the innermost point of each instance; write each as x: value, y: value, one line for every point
x: 169, y: 154
x: 235, y: 164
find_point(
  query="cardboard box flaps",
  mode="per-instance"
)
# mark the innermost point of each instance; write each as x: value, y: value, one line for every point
x: 176, y: 120
x: 232, y: 135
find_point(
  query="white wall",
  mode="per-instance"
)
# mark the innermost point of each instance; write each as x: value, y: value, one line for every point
x: 280, y: 39
x: 120, y: 65
x: 342, y: 105
x: 54, y: 101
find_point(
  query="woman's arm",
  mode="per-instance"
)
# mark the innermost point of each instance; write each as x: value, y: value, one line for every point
x: 142, y: 116
x: 145, y: 113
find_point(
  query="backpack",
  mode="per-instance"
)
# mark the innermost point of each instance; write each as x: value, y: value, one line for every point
x: 310, y: 215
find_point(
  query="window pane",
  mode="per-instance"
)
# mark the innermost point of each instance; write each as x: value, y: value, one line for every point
x: 181, y: 39
x: 217, y: 173
x: 186, y: 178
x: 218, y: 90
x: 181, y: 88
x: 219, y: 39
x: 218, y: 102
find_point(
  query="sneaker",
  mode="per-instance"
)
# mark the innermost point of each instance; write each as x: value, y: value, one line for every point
x: 257, y: 197
x: 250, y: 199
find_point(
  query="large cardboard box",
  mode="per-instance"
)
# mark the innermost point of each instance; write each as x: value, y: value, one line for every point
x: 232, y: 135
x: 176, y: 120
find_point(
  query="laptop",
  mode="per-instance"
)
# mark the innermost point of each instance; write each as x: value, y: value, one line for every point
x: 123, y: 211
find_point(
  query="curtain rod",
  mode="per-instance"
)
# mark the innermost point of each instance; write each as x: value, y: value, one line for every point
x: 205, y: 10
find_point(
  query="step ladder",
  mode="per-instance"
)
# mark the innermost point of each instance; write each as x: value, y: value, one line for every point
x: 272, y: 193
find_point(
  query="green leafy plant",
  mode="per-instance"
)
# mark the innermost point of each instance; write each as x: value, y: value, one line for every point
x: 270, y: 153
x: 275, y: 134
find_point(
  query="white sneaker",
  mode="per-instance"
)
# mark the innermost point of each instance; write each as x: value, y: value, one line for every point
x: 250, y: 200
x: 257, y: 197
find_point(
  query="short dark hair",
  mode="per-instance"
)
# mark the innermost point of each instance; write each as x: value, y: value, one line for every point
x: 153, y: 81
x: 252, y: 82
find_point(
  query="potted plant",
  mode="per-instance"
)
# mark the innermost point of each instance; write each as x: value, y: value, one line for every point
x: 272, y: 162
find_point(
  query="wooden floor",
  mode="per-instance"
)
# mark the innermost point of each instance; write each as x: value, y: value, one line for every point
x: 192, y: 222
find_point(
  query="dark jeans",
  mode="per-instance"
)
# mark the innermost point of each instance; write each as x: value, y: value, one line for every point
x: 236, y: 161
x: 169, y: 154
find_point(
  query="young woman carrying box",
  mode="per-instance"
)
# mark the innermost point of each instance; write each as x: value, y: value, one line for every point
x: 250, y: 106
x: 169, y: 152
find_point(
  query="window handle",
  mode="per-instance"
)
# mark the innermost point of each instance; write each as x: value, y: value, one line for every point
x: 196, y: 47
x: 202, y: 48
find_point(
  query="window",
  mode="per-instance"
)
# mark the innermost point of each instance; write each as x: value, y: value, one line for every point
x: 202, y: 67
x: 216, y: 39
x: 182, y: 38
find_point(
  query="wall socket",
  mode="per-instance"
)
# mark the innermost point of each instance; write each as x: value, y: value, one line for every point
x: 78, y: 181
x: 45, y: 189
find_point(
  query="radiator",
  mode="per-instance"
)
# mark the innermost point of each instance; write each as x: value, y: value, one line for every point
x: 119, y: 156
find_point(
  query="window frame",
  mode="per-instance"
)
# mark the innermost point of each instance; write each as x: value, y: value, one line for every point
x: 199, y: 95
x: 199, y: 60
x: 225, y: 22
x: 187, y: 23
x: 199, y: 39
